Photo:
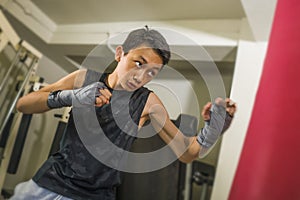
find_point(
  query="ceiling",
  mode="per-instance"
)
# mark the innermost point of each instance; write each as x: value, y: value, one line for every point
x: 94, y: 14
x: 99, y: 11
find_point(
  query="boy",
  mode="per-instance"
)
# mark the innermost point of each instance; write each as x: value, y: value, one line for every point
x: 73, y: 172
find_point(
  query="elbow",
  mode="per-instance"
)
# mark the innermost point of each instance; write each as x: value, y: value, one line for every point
x: 185, y: 160
x: 19, y: 106
x: 188, y: 158
x: 191, y: 154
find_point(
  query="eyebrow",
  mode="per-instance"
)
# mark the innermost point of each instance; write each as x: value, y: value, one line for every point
x: 146, y: 62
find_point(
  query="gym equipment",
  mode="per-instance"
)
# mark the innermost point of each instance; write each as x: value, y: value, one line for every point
x: 22, y: 60
x: 62, y: 124
x: 19, y: 144
x: 269, y: 160
x: 20, y: 141
x: 201, y: 181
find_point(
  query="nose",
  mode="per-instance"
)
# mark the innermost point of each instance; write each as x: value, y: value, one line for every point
x: 138, y: 77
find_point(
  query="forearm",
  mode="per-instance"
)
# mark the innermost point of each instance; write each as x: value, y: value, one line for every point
x: 185, y: 148
x: 35, y: 102
x: 41, y: 101
x: 192, y: 152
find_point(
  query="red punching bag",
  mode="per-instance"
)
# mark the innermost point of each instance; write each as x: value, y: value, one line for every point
x: 269, y: 166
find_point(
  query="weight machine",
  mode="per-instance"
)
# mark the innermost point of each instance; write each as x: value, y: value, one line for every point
x: 18, y: 64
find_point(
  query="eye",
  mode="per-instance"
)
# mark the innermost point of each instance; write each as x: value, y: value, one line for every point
x: 151, y: 73
x: 138, y: 64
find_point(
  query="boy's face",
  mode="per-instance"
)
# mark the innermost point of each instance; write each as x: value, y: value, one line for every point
x: 137, y: 67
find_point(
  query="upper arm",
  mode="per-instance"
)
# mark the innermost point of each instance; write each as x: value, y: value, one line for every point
x: 186, y: 148
x: 69, y: 82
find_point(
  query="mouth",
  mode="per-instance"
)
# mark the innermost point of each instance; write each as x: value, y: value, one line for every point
x: 131, y: 85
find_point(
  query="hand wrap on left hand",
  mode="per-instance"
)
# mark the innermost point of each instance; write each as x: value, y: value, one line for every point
x: 219, y: 122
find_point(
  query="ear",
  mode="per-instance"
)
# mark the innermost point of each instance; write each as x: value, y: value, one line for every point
x: 119, y: 53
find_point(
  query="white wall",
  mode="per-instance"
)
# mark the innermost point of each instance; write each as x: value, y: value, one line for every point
x: 49, y: 70
x: 177, y: 95
x: 248, y: 68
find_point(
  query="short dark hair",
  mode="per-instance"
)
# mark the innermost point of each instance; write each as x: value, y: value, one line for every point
x: 150, y: 38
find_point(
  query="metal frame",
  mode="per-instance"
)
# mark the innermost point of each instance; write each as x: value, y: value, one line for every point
x: 29, y: 56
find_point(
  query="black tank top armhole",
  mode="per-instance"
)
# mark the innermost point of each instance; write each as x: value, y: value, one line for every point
x: 91, y: 77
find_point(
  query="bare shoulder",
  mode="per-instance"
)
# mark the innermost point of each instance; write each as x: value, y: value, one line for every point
x: 152, y: 106
x: 153, y: 99
x: 153, y: 103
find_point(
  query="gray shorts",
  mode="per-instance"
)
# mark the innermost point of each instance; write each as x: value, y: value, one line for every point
x: 31, y: 191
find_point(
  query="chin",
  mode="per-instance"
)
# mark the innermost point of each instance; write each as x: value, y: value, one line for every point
x: 131, y: 90
x: 128, y: 88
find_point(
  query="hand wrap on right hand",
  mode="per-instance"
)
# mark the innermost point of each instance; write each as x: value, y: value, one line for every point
x: 78, y: 97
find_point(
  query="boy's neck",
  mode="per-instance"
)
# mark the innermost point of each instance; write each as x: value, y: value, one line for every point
x: 112, y: 80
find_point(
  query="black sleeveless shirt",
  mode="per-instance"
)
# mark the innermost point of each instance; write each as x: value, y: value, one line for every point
x: 74, y: 171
